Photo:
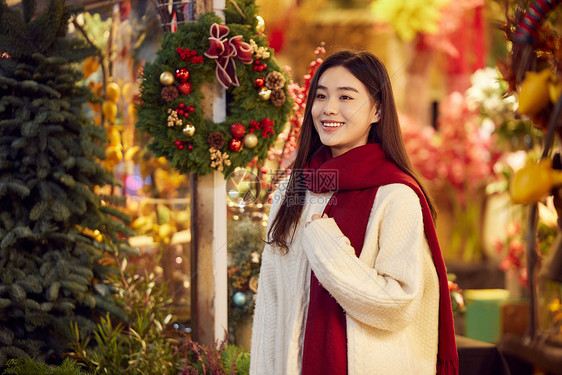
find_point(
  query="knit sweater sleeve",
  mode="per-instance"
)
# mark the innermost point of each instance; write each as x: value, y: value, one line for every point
x: 265, y: 326
x: 383, y: 288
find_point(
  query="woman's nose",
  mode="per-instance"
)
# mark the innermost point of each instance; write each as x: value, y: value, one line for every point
x: 330, y: 107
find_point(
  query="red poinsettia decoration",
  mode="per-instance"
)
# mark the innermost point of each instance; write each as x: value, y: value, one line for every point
x: 224, y: 50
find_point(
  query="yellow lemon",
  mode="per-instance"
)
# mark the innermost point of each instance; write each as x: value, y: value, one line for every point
x: 165, y: 230
x: 131, y: 153
x: 112, y: 91
x: 534, y: 181
x: 109, y: 110
x: 114, y: 136
x: 534, y: 96
x: 113, y: 155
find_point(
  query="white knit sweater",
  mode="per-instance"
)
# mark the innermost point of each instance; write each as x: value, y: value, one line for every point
x: 390, y: 293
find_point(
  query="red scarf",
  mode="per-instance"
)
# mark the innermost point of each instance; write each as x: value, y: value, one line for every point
x: 360, y: 172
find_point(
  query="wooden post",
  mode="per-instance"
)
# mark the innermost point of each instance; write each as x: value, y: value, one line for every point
x: 209, y: 293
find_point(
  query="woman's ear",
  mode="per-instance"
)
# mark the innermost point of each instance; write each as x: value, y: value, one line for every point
x: 376, y: 114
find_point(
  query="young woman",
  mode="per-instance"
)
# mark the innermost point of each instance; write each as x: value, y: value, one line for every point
x: 352, y: 278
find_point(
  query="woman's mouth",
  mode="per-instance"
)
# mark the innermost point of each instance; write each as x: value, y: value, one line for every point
x: 331, y: 125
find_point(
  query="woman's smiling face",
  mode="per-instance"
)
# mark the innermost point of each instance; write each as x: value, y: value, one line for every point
x: 342, y: 110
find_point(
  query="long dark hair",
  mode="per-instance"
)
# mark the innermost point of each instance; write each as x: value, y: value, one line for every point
x: 372, y: 73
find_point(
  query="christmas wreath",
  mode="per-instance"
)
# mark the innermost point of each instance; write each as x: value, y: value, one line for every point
x: 171, y: 107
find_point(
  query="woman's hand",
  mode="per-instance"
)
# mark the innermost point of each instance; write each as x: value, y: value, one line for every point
x: 315, y: 217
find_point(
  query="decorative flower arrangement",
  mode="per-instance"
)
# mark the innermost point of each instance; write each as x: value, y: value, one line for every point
x: 171, y: 107
x: 497, y: 111
x: 466, y: 149
x: 457, y: 161
x: 459, y: 155
x: 421, y: 144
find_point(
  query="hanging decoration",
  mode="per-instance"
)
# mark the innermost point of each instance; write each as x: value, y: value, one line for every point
x: 533, y: 66
x: 172, y: 103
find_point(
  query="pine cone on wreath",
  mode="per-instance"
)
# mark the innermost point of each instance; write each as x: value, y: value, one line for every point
x: 275, y: 81
x: 169, y: 93
x: 277, y: 98
x: 216, y: 140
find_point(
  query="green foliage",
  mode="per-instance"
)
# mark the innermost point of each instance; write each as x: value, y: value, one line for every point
x: 240, y: 358
x: 220, y: 359
x: 29, y: 366
x: 144, y: 343
x: 50, y: 262
x: 243, y: 102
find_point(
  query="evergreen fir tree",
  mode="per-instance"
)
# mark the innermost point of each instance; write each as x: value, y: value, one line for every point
x: 51, y: 273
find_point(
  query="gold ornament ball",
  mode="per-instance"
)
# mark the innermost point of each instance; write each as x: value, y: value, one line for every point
x: 250, y: 140
x: 167, y: 78
x: 260, y: 25
x: 264, y: 93
x: 189, y: 130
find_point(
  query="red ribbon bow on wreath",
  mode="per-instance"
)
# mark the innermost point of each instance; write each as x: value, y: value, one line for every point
x: 224, y: 50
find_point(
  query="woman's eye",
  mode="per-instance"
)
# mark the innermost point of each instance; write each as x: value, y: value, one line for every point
x: 345, y: 97
x: 320, y: 96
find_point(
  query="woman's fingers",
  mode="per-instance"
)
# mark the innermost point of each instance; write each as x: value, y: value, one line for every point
x: 314, y: 217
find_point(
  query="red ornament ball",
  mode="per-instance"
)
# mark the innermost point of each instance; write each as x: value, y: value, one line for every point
x: 184, y: 88
x: 235, y: 145
x: 182, y: 74
x: 259, y: 82
x: 237, y: 130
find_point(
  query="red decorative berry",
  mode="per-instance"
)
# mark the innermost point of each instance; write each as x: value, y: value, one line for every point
x: 265, y: 125
x: 188, y: 55
x: 259, y: 82
x: 177, y: 143
x: 237, y: 130
x: 190, y: 109
x: 235, y: 144
x: 182, y: 74
x: 184, y: 88
x: 190, y: 147
x: 181, y: 105
x: 186, y: 115
x: 180, y: 111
